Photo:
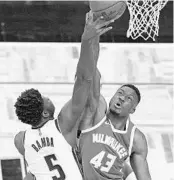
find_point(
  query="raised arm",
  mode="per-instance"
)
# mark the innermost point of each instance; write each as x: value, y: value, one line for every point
x: 138, y: 157
x: 95, y: 106
x: 87, y: 65
x: 85, y: 72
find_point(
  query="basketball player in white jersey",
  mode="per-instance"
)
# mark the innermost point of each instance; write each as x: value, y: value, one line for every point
x: 47, y: 153
x: 44, y: 148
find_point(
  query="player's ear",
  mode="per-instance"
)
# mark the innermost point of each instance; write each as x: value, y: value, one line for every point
x: 45, y: 114
x: 132, y: 110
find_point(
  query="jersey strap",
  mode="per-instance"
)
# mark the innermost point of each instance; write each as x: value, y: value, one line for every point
x: 94, y: 127
x: 19, y: 142
x: 131, y: 139
x: 120, y: 131
x: 76, y: 155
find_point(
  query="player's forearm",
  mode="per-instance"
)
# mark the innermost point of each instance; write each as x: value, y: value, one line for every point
x: 86, y: 66
x: 94, y: 94
x: 97, y: 75
x: 96, y: 85
x: 96, y: 48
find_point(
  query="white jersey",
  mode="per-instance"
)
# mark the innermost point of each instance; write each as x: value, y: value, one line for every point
x: 48, y: 155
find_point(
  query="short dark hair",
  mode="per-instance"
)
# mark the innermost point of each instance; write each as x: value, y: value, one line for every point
x: 135, y: 89
x: 29, y: 107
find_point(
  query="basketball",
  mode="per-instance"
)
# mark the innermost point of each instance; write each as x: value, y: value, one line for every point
x: 108, y: 9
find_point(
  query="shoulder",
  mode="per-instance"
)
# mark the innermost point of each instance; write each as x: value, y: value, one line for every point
x: 65, y: 118
x: 19, y: 141
x: 64, y: 115
x: 139, y: 143
x: 66, y: 109
x: 19, y: 137
x: 63, y: 124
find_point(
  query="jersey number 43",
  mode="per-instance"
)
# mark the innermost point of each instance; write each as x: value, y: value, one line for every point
x: 96, y: 161
x: 49, y: 160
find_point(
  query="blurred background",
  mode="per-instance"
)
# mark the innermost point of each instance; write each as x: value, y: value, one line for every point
x: 63, y: 21
x: 50, y: 68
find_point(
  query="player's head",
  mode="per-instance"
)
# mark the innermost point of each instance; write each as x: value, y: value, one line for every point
x: 32, y: 107
x: 49, y: 108
x: 125, y: 100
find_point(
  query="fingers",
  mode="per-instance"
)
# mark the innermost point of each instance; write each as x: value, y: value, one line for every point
x: 104, y: 23
x: 101, y: 27
x: 104, y: 30
x: 89, y: 17
x: 99, y: 20
x: 97, y: 27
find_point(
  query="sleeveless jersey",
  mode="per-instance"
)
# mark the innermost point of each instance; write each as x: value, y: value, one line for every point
x: 104, y: 149
x: 48, y: 155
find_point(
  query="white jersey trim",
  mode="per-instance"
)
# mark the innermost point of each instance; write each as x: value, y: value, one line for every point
x: 57, y: 122
x: 120, y: 131
x: 131, y: 139
x: 94, y: 127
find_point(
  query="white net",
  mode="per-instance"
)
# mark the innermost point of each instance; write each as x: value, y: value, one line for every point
x: 144, y: 18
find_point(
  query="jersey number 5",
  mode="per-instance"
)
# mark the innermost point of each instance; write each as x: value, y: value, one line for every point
x: 97, y: 161
x: 52, y: 167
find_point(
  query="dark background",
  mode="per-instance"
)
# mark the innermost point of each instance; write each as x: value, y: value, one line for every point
x: 11, y: 169
x: 63, y: 21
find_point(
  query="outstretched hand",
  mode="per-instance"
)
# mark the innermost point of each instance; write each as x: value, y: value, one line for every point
x: 95, y: 28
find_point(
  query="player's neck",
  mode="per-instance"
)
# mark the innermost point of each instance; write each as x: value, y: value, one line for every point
x: 42, y: 123
x: 117, y: 121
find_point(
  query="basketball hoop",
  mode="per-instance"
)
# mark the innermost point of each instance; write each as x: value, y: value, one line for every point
x: 144, y: 18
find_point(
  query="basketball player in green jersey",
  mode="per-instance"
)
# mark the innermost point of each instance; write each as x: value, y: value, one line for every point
x: 86, y: 67
x: 65, y: 123
x: 108, y: 139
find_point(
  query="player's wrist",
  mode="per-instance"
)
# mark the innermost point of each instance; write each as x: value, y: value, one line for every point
x: 89, y: 37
